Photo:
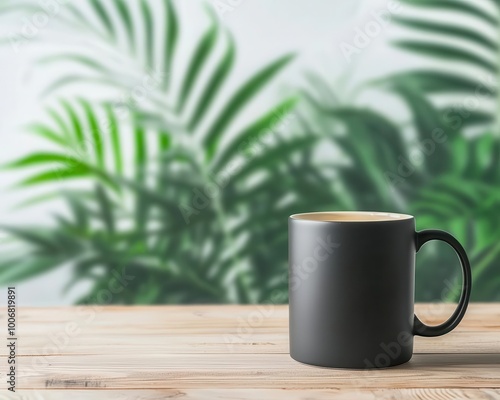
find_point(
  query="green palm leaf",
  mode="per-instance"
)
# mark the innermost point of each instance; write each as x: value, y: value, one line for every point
x: 447, y: 52
x: 115, y: 139
x: 439, y: 82
x: 199, y: 57
x: 450, y: 30
x: 428, y: 123
x: 171, y: 34
x: 102, y: 13
x: 267, y: 158
x: 38, y: 238
x: 261, y: 126
x: 78, y: 155
x: 57, y: 174
x: 96, y: 143
x: 457, y: 6
x: 37, y: 159
x: 106, y: 209
x: 81, y: 59
x: 213, y: 85
x: 239, y: 99
x: 47, y: 133
x: 128, y: 23
x: 18, y: 270
x: 471, y: 44
x: 149, y: 27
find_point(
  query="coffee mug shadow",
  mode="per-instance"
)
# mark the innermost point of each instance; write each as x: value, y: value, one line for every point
x: 437, y: 360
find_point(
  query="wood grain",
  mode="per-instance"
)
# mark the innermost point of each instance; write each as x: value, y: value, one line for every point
x: 264, y: 394
x: 234, y: 352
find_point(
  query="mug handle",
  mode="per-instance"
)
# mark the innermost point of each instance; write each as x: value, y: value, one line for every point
x: 419, y: 328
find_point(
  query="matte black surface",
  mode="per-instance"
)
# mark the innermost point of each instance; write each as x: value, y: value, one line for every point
x: 447, y: 326
x: 351, y: 291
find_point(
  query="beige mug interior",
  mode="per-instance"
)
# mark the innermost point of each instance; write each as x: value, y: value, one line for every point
x: 351, y: 216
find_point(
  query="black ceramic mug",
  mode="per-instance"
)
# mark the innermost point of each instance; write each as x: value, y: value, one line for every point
x: 351, y: 288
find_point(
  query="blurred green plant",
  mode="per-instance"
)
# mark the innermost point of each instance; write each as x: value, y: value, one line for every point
x: 463, y: 37
x: 464, y: 196
x: 455, y: 184
x: 156, y: 218
x: 200, y: 214
x: 206, y: 258
x: 379, y: 171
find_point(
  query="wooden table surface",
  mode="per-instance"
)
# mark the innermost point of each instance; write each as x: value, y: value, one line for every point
x: 233, y: 352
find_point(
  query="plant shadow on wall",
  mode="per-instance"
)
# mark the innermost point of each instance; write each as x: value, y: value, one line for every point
x: 180, y: 205
x: 174, y: 195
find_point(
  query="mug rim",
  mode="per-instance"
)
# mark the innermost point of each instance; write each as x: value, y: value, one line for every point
x: 343, y: 216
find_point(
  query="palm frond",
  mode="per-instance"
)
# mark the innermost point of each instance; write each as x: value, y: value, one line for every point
x: 459, y: 46
x: 92, y: 146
